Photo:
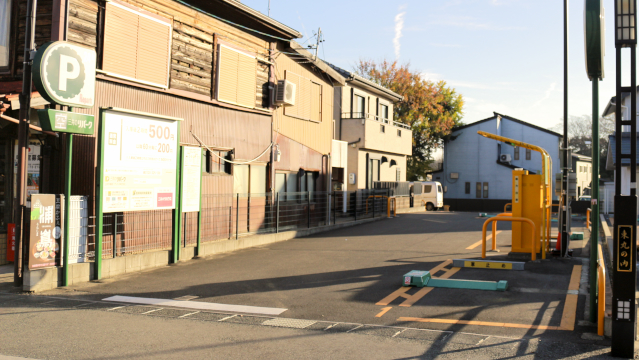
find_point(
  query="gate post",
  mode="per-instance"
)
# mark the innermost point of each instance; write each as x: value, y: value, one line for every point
x: 237, y: 217
x: 308, y: 207
x: 277, y: 213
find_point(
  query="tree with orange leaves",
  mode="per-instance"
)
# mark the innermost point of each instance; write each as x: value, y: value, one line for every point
x: 431, y: 109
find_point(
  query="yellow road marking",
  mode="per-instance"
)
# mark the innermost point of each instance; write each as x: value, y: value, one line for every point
x: 567, y: 317
x: 480, y: 323
x: 570, y: 305
x: 440, y: 267
x: 574, y: 278
x: 479, y: 242
x: 384, y: 311
x: 401, y: 292
x: 394, y: 295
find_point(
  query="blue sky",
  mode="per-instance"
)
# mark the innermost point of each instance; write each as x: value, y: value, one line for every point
x: 501, y: 55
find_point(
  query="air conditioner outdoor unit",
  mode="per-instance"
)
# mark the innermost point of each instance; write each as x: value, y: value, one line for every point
x: 505, y: 158
x: 285, y: 93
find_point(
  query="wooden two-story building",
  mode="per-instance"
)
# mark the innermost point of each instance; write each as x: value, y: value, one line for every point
x: 215, y: 64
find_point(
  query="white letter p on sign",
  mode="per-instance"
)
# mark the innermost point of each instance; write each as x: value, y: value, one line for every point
x: 65, y: 74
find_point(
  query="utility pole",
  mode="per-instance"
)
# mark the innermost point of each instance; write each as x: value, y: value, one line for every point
x: 318, y: 41
x: 23, y: 137
x: 563, y: 226
x: 594, y: 33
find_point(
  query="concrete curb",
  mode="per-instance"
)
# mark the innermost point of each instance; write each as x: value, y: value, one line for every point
x: 50, y: 278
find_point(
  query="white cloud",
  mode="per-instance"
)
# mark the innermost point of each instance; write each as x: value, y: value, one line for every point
x: 549, y: 91
x: 399, y: 25
x: 432, y: 76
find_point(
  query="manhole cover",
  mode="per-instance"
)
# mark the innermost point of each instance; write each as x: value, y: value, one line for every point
x: 289, y: 323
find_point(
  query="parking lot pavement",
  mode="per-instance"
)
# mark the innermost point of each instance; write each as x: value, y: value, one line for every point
x: 95, y: 330
x: 348, y: 275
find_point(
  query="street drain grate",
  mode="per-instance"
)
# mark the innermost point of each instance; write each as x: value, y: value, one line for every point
x: 289, y: 323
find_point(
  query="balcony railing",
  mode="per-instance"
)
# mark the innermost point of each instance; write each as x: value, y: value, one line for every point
x: 367, y: 116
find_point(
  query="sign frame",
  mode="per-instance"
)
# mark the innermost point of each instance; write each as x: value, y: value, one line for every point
x: 185, y: 184
x: 66, y: 122
x: 100, y: 186
x: 594, y: 38
x: 48, y: 226
x: 132, y: 141
x: 44, y: 78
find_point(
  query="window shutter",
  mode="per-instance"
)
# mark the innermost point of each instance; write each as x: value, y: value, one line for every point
x: 305, y: 92
x: 237, y: 77
x: 153, y: 54
x: 120, y: 41
x: 308, y: 97
x: 316, y: 102
x: 136, y: 46
x: 247, y: 78
x: 227, y: 79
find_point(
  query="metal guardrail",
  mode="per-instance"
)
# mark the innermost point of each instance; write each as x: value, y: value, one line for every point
x: 601, y: 290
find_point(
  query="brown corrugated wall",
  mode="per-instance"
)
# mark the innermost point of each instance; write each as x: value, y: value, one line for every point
x: 248, y: 133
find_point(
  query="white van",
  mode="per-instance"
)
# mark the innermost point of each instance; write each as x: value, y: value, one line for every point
x: 432, y: 194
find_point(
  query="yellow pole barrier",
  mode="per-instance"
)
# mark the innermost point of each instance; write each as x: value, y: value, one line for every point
x: 506, y: 206
x: 533, y: 252
x: 494, y: 234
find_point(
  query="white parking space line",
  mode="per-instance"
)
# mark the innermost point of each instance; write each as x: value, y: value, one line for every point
x: 197, y: 305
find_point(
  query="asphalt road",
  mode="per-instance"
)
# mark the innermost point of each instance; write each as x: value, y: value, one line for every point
x: 331, y: 284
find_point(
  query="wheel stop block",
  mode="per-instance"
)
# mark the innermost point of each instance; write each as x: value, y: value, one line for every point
x: 420, y: 278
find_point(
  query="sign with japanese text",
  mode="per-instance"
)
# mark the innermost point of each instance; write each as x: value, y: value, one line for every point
x: 67, y: 122
x: 140, y: 160
x: 64, y: 74
x: 45, y: 230
x: 191, y: 178
x: 11, y: 247
x: 489, y: 265
x: 624, y: 252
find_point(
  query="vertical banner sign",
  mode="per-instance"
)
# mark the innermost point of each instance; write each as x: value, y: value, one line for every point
x: 140, y: 160
x: 11, y: 245
x: 45, y: 230
x: 624, y: 272
x: 191, y: 178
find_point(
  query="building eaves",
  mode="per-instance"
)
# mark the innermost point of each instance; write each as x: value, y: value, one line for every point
x: 319, y: 63
x: 528, y: 124
x: 511, y: 119
x: 367, y: 84
x: 582, y: 157
x: 285, y: 31
x: 610, y: 108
